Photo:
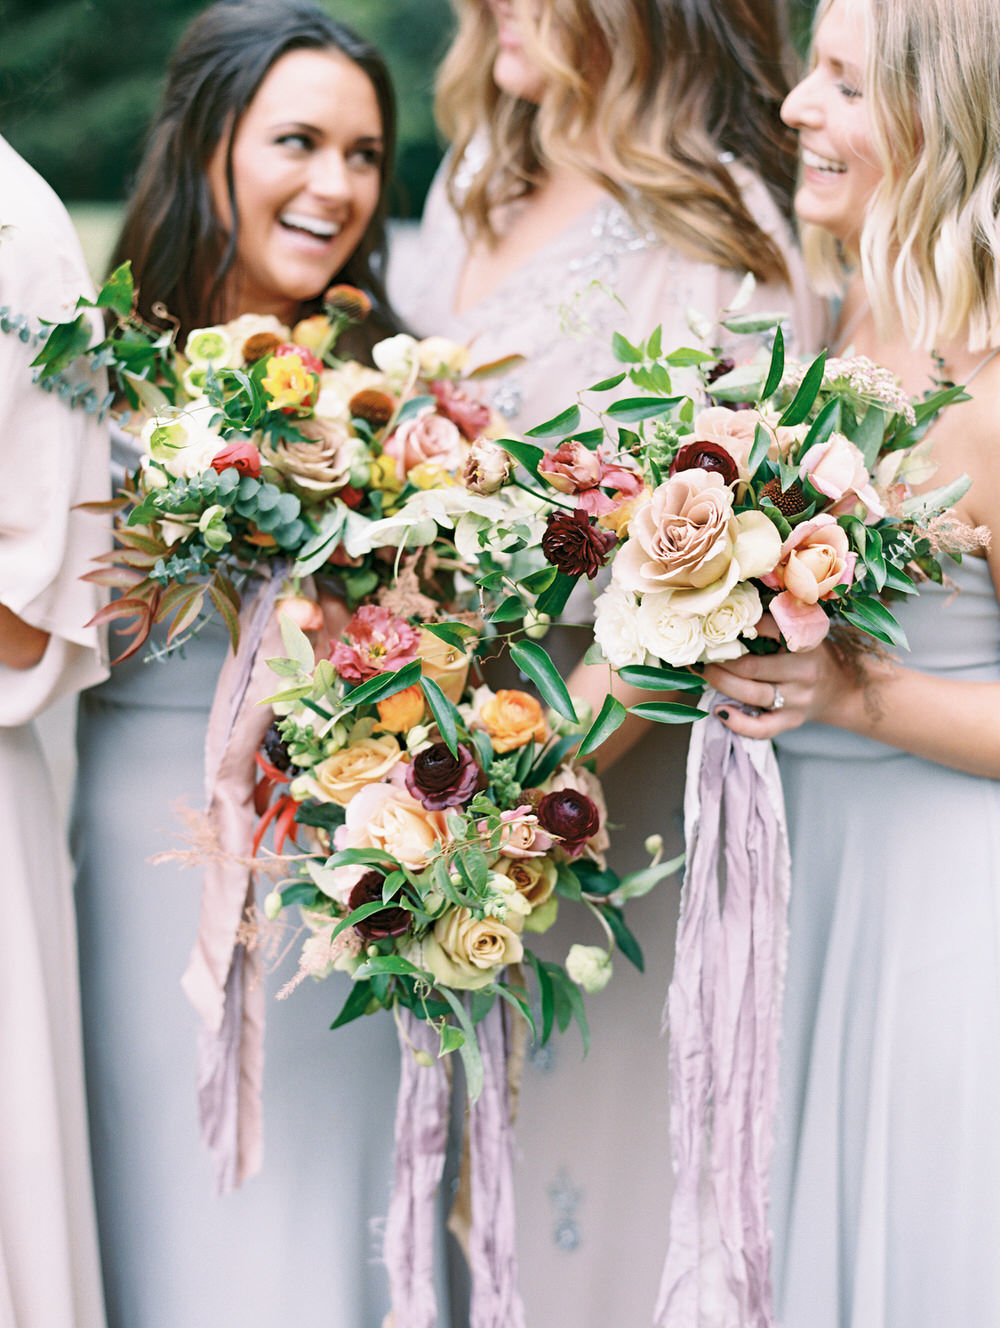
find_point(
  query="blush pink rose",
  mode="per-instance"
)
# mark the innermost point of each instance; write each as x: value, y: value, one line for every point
x: 815, y: 559
x: 837, y: 470
x: 428, y: 438
x: 571, y: 468
x: 388, y: 818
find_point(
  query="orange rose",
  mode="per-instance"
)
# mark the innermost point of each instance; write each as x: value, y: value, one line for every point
x: 443, y: 664
x: 402, y: 711
x: 512, y: 718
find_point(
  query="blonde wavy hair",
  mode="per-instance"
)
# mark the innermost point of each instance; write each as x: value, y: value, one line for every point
x: 642, y: 97
x: 930, y: 242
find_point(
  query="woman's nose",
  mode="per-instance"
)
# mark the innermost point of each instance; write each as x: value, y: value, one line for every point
x: 800, y: 110
x: 330, y: 178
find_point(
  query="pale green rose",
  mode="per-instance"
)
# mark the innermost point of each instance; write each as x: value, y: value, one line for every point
x: 466, y: 952
x: 589, y: 966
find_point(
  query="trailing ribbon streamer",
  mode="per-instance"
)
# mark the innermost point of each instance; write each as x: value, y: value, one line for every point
x: 724, y: 1014
x: 222, y: 979
x: 496, y: 1302
x: 421, y: 1139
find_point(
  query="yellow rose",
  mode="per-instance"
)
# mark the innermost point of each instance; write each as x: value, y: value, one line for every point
x: 512, y: 719
x: 465, y: 951
x: 443, y: 664
x: 369, y: 761
x: 402, y: 711
x: 289, y: 384
x: 534, y: 878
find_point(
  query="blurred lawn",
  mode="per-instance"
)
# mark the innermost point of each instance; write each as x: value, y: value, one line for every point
x: 97, y: 226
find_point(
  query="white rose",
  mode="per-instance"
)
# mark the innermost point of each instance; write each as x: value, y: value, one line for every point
x: 397, y: 357
x: 616, y: 627
x: 735, y: 618
x: 241, y: 329
x: 441, y: 357
x: 671, y: 636
x: 589, y: 967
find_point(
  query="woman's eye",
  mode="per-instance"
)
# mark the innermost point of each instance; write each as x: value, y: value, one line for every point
x: 847, y: 91
x: 367, y: 156
x: 301, y: 142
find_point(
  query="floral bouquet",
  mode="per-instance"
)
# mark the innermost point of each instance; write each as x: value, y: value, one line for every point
x: 718, y: 494
x: 263, y: 452
x: 447, y: 824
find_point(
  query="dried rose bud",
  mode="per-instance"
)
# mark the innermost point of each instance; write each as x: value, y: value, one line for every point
x: 487, y: 468
x: 372, y: 405
x: 389, y: 921
x: 573, y: 544
x: 570, y: 816
x: 701, y: 455
x: 259, y: 345
x: 790, y: 501
x: 348, y: 300
x: 438, y: 779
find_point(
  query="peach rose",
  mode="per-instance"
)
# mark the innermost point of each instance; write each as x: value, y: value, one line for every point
x: 443, y: 664
x: 427, y: 437
x: 402, y: 711
x: 571, y: 468
x: 735, y: 430
x: 687, y: 540
x: 816, y: 558
x: 387, y: 817
x: 345, y: 773
x: 512, y: 719
x: 837, y: 469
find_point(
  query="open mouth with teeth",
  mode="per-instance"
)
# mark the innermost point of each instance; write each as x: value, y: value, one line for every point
x: 814, y: 162
x: 314, y: 227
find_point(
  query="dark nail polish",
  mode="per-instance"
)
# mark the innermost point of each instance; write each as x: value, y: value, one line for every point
x: 723, y: 714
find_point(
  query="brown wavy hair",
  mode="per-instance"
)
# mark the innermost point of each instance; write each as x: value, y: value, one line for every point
x: 180, y: 254
x: 641, y: 96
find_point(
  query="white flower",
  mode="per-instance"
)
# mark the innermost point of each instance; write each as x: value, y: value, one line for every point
x: 616, y: 627
x: 734, y: 620
x: 589, y: 967
x: 182, y: 440
x: 397, y: 357
x: 671, y: 636
x: 441, y: 357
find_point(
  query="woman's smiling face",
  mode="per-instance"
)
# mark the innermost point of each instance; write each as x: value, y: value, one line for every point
x: 307, y: 175
x: 829, y: 111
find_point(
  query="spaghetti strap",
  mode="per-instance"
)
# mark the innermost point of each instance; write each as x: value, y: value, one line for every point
x: 982, y: 364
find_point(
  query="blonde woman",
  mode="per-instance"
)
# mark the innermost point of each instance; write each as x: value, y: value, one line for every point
x: 606, y: 174
x: 887, y: 1189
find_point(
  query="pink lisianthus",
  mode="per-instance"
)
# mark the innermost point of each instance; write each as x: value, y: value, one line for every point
x: 571, y: 468
x: 626, y: 484
x: 464, y: 411
x: 815, y: 559
x: 837, y: 470
x: 427, y: 438
x: 520, y: 835
x: 376, y: 642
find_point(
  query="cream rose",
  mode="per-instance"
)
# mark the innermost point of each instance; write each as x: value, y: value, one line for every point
x: 534, y: 878
x: 616, y: 628
x: 671, y: 636
x: 465, y: 952
x: 341, y: 776
x: 387, y: 817
x: 725, y: 628
x: 398, y: 357
x: 318, y: 466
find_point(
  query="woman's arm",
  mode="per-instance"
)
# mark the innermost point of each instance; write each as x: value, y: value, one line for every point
x: 21, y: 645
x: 592, y: 683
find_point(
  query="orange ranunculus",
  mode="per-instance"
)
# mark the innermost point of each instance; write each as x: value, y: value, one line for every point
x: 402, y: 711
x: 512, y: 718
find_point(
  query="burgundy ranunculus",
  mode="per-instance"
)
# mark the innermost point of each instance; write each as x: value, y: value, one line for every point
x: 388, y: 921
x: 455, y: 404
x: 241, y: 455
x: 719, y: 369
x: 575, y: 545
x: 571, y: 816
x: 706, y: 456
x: 439, y: 780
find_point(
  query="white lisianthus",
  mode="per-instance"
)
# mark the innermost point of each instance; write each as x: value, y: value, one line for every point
x: 589, y: 966
x: 397, y: 357
x: 725, y: 627
x: 674, y: 637
x: 208, y: 345
x: 183, y: 441
x: 441, y: 358
x: 616, y: 627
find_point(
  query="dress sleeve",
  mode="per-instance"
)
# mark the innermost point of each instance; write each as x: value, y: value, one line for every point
x: 52, y: 458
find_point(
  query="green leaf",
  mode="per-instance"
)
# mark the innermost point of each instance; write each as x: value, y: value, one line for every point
x: 654, y: 343
x: 869, y: 434
x: 413, y: 407
x: 361, y: 857
x: 606, y: 384
x: 574, y: 996
x: 469, y: 1050
x: 623, y: 350
x: 874, y: 618
x: 64, y: 344
x: 452, y: 1039
x: 777, y: 367
x: 667, y: 712
x: 535, y: 582
x: 624, y: 939
x: 523, y: 1008
x: 567, y: 421
x: 117, y: 293
x: 639, y: 883
x: 297, y: 644
x: 802, y: 402
x: 357, y: 1002
x: 484, y: 747
x: 553, y: 600
x: 660, y: 678
x: 825, y: 423
x: 383, y: 685
x: 630, y: 410
x: 547, y: 761
x: 445, y: 714
x: 611, y: 717
x: 452, y: 634
x: 896, y: 579
x: 567, y: 882
x: 526, y: 453
x: 545, y: 993
x: 533, y: 660
x: 762, y: 440
x: 358, y: 915
x: 391, y: 963
x: 748, y: 324
x: 508, y: 610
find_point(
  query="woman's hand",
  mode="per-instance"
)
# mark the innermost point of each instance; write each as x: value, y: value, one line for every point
x: 787, y: 689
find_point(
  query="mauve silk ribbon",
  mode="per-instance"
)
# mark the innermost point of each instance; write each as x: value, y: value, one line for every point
x: 223, y: 980
x: 724, y: 1014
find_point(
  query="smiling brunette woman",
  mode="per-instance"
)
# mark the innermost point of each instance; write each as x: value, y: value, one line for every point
x: 263, y: 182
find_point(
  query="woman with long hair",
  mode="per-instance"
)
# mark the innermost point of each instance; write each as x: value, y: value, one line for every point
x: 607, y: 173
x: 887, y: 1186
x: 263, y: 182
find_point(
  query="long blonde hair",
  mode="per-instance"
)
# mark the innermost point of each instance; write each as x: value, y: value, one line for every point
x: 930, y: 241
x: 641, y: 96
